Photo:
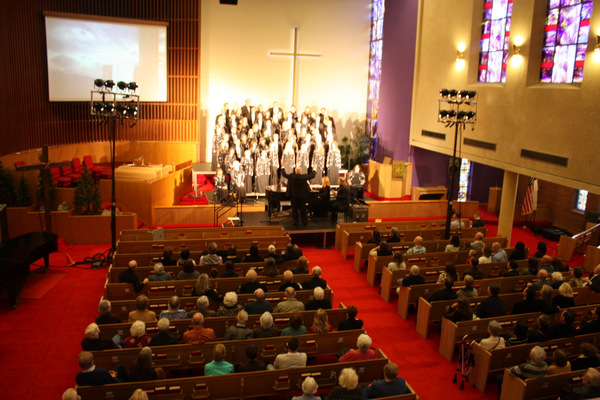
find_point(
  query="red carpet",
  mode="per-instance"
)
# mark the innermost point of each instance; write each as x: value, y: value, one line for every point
x: 38, y: 284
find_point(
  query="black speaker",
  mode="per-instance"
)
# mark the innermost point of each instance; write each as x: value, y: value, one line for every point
x: 230, y: 2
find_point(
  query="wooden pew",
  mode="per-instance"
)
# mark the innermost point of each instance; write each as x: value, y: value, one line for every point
x: 551, y: 386
x: 410, y: 295
x: 123, y: 307
x: 199, y: 245
x: 241, y: 385
x: 433, y: 312
x: 220, y: 324
x: 124, y: 291
x: 130, y: 235
x: 487, y: 361
x: 567, y: 245
x: 361, y: 253
x: 183, y: 356
x: 453, y: 332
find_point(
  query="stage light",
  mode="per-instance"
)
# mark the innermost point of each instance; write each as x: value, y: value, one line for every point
x: 108, y: 108
x: 109, y: 84
x: 132, y: 111
x: 98, y: 83
x: 452, y: 93
x: 444, y: 92
x: 121, y: 85
x: 98, y: 107
x: 121, y: 109
x: 133, y: 86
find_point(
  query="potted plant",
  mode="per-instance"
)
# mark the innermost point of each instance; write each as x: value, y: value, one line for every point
x: 87, y: 196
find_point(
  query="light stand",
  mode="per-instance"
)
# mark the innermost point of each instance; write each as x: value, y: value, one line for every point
x: 455, y: 108
x: 110, y: 103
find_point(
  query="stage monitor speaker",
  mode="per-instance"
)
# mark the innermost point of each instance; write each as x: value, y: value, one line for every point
x: 230, y: 2
x: 3, y: 224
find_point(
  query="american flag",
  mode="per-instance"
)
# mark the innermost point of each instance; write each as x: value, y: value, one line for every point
x: 530, y: 201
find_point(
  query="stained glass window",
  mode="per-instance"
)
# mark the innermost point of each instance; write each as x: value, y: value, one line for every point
x: 565, y: 40
x: 377, y: 11
x: 494, y: 42
x: 581, y: 200
x: 464, y: 180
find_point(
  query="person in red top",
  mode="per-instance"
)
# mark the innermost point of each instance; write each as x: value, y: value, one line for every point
x: 320, y: 322
x: 199, y: 334
x: 364, y: 351
x: 138, y: 336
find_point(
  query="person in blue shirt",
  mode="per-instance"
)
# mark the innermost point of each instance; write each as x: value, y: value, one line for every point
x: 390, y: 385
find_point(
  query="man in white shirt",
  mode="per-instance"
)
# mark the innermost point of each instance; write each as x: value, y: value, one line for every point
x: 292, y: 358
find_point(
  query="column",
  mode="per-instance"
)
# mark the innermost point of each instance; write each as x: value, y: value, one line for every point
x: 507, y: 205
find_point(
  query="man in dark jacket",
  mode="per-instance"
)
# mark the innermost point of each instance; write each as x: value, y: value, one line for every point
x: 298, y: 190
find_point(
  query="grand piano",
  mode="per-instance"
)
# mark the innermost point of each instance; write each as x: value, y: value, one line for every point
x: 17, y: 254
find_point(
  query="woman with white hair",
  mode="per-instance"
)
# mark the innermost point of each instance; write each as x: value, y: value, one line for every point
x: 139, y: 394
x: 70, y: 394
x: 93, y: 342
x: 239, y: 331
x: 138, y: 336
x: 348, y: 388
x: 266, y: 328
x: 495, y: 341
x: 318, y: 301
x: 230, y: 305
x: 202, y: 307
x: 364, y: 350
x: 106, y: 317
x: 159, y: 274
x: 564, y: 298
x: 309, y: 388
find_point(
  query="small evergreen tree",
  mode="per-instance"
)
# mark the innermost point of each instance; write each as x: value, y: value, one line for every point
x: 23, y: 196
x: 8, y: 191
x: 87, y: 195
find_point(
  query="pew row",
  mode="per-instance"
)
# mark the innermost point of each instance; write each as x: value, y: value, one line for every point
x: 200, y: 245
x: 130, y: 235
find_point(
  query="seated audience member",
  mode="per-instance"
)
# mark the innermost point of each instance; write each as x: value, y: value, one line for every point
x: 513, y: 269
x: 251, y: 365
x: 93, y: 342
x: 499, y: 253
x: 363, y: 351
x: 390, y: 385
x: 239, y: 331
x: 475, y: 271
x: 477, y: 244
x: 561, y: 363
x: 590, y: 388
x: 519, y: 253
x: 292, y: 252
x: 543, y: 280
x: 318, y: 301
x: 320, y: 323
x: 218, y: 366
x: 290, y: 304
x: 301, y: 266
x: 375, y: 237
x: 214, y: 273
x: 577, y: 280
x: 138, y: 336
x: 546, y: 264
x: 473, y: 254
x: 141, y: 313
x: 232, y: 255
x: 212, y: 258
x: 493, y: 306
x: 449, y: 272
x: 198, y: 334
x: 532, y: 267
x: 382, y: 250
x: 348, y: 388
x: 229, y: 270
x: 495, y: 341
x: 142, y: 368
x: 543, y: 331
x: 159, y: 274
x: 202, y: 288
x: 309, y: 388
x: 230, y: 305
x: 529, y: 303
x: 185, y: 256
x: 558, y: 265
x: 188, y: 272
x: 251, y: 285
x: 167, y: 258
x: 174, y: 312
x: 266, y: 328
x: 469, y: 290
x: 163, y: 337
x: 92, y: 376
x: 105, y: 317
x: 565, y: 329
x: 397, y: 262
x: 519, y: 335
x: 271, y: 253
x: 394, y: 238
x: 564, y: 298
x: 296, y: 326
x: 454, y: 244
x: 202, y: 307
x: 594, y: 281
x: 546, y: 296
x: 139, y: 394
x: 418, y: 248
x: 254, y: 255
x: 414, y: 278
x: 456, y: 222
x: 477, y: 221
x: 288, y: 281
x: 70, y: 394
x: 541, y: 250
x: 536, y: 367
x: 129, y: 276
x: 486, y: 257
x: 444, y: 294
x: 587, y: 359
x: 292, y: 358
x: 270, y: 268
x: 460, y: 311
x: 351, y: 322
x: 315, y: 280
x: 259, y: 305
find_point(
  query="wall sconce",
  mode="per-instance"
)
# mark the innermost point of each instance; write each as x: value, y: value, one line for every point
x: 517, y: 59
x: 596, y: 54
x: 460, y: 56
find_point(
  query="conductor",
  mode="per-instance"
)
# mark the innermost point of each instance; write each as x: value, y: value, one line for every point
x: 298, y: 190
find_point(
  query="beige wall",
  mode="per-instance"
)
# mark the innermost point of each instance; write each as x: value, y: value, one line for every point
x: 561, y: 120
x: 235, y: 61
